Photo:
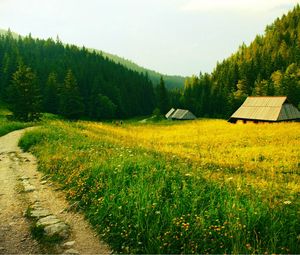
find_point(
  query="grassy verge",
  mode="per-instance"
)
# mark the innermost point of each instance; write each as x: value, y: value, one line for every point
x: 7, y: 126
x: 144, y: 201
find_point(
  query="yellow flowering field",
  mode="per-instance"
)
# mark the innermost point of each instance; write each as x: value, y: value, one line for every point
x: 260, y: 152
x: 203, y: 186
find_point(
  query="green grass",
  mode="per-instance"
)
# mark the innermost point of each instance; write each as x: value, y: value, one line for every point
x: 9, y: 126
x: 6, y: 125
x: 142, y: 201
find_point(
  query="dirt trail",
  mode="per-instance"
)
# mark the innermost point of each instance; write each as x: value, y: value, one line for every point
x: 15, y: 236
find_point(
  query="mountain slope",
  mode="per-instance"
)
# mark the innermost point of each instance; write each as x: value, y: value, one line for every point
x: 270, y: 65
x: 171, y: 81
x: 72, y: 80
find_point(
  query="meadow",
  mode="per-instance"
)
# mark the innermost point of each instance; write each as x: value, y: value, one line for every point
x: 204, y: 186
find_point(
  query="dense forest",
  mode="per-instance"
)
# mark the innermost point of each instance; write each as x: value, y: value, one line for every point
x: 270, y: 65
x: 69, y: 80
x: 171, y: 81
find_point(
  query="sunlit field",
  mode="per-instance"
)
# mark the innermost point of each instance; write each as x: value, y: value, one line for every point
x: 270, y: 147
x: 204, y: 186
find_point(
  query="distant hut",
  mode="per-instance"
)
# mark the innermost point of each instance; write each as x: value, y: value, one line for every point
x: 265, y: 109
x: 169, y: 114
x: 180, y: 114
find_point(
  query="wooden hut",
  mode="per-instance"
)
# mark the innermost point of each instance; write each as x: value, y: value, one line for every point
x: 180, y: 114
x: 265, y: 109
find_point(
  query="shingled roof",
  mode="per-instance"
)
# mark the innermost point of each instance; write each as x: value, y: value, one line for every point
x: 266, y: 109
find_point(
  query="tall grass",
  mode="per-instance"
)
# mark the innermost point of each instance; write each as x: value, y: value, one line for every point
x: 143, y: 198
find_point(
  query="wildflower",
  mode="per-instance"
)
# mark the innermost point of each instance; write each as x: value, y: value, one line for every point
x: 287, y: 202
x: 185, y: 226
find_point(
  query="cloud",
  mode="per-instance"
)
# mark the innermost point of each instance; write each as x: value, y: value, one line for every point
x: 235, y: 5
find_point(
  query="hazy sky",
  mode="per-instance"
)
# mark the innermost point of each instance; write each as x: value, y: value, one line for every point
x: 170, y: 36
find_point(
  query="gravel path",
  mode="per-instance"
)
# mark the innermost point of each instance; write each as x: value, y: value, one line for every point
x: 21, y: 185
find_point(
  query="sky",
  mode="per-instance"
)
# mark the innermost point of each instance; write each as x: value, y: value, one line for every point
x: 181, y: 37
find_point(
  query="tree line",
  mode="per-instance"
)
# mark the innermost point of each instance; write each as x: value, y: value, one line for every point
x: 48, y: 76
x: 269, y: 66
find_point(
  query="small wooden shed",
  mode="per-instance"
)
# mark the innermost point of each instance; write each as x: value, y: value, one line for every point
x: 266, y: 109
x: 180, y: 114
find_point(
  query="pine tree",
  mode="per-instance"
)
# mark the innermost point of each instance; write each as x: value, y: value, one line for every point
x: 24, y: 95
x: 162, y: 97
x: 291, y: 83
x: 51, y: 97
x: 71, y: 103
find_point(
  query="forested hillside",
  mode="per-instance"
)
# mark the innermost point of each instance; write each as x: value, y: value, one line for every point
x: 70, y: 80
x: 270, y: 65
x: 171, y: 81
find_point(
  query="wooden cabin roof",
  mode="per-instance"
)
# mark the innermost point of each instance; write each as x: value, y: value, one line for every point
x: 169, y: 113
x: 181, y: 114
x: 267, y: 109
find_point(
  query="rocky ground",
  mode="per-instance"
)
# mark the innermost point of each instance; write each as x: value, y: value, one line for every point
x: 31, y: 203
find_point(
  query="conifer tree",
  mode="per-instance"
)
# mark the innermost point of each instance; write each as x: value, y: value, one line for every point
x: 162, y: 97
x: 24, y: 95
x: 71, y: 103
x: 51, y: 97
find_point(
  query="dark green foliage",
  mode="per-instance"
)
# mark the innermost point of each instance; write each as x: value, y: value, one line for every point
x: 269, y: 66
x: 102, y: 107
x: 130, y: 93
x: 162, y: 97
x: 24, y: 96
x: 71, y: 103
x: 52, y: 94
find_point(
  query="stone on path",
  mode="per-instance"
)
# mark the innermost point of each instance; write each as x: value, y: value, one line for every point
x: 59, y: 229
x: 49, y: 220
x: 69, y: 244
x: 71, y: 251
x: 29, y: 188
x: 39, y: 213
